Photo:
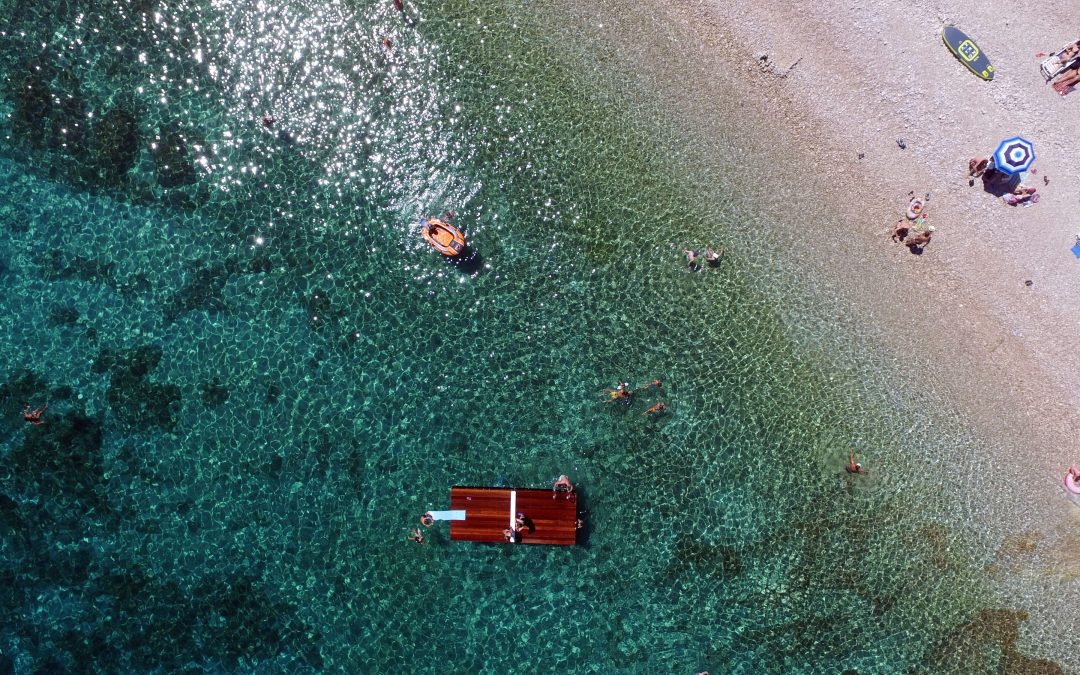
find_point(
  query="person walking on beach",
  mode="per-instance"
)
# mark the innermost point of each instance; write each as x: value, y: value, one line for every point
x: 34, y: 416
x: 853, y: 466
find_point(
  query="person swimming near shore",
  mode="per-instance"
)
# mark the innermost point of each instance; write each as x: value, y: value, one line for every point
x: 713, y: 257
x: 562, y: 486
x: 416, y: 536
x: 657, y: 409
x: 427, y: 520
x: 655, y: 384
x: 34, y: 416
x: 853, y: 466
x: 623, y: 392
x: 691, y: 260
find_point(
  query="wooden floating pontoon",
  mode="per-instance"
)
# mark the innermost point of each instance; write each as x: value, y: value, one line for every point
x: 489, y: 511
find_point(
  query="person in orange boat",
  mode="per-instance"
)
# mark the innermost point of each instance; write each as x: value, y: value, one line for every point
x: 656, y: 409
x: 34, y: 416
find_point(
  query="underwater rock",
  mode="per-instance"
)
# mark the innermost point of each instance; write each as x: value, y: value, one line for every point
x: 114, y: 143
x: 57, y: 265
x: 202, y: 290
x: 24, y: 387
x: 61, y: 462
x: 67, y: 124
x: 318, y: 308
x: 134, y: 399
x: 173, y: 162
x: 213, y: 394
x: 33, y: 103
x: 62, y: 315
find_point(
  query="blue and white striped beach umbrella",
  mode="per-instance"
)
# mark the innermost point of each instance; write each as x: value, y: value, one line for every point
x: 1014, y: 155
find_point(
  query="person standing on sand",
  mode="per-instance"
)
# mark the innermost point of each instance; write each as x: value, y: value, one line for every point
x: 919, y: 240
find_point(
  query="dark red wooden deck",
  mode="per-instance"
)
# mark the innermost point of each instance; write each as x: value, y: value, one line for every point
x: 488, y: 512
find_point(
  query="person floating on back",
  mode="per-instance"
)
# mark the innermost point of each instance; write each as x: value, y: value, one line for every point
x: 562, y: 486
x: 34, y: 416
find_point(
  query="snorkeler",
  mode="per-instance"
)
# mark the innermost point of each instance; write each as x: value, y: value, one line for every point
x: 853, y: 466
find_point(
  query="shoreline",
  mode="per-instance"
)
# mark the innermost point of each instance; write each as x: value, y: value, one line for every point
x: 999, y: 351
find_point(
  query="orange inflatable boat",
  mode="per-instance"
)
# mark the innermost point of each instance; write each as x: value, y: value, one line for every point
x: 443, y: 236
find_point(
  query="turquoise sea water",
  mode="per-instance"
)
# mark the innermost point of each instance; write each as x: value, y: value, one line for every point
x: 258, y: 376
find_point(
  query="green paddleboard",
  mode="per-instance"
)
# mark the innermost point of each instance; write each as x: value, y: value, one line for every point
x: 965, y: 49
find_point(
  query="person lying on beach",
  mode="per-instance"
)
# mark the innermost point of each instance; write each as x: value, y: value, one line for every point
x: 1066, y: 81
x: 919, y: 240
x: 1021, y: 194
x: 1069, y: 52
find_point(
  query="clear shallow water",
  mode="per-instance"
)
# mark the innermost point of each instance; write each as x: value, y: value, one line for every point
x: 259, y: 376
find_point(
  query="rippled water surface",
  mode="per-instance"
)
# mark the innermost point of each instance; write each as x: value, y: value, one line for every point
x: 258, y: 375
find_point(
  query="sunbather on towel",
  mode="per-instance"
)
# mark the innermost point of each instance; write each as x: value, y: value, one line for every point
x: 1066, y: 81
